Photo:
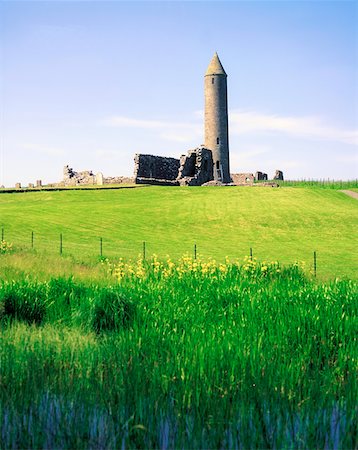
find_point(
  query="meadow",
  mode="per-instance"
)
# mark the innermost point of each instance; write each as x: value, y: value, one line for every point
x: 286, y: 224
x: 219, y: 351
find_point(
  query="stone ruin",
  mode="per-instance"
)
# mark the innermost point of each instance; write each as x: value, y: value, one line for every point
x: 18, y: 186
x: 196, y: 168
x: 160, y: 170
x: 193, y: 169
x: 260, y: 176
x: 250, y: 178
x: 241, y: 179
x: 72, y: 178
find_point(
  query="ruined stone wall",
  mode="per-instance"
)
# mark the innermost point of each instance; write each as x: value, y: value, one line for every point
x: 260, y: 176
x: 196, y: 167
x: 278, y: 175
x: 116, y: 180
x: 243, y: 178
x: 150, y: 169
x: 72, y: 178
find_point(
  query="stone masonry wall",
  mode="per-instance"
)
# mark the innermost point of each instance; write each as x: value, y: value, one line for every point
x: 196, y: 167
x: 150, y: 169
x: 260, y: 176
x: 278, y: 175
x: 243, y: 178
x: 72, y: 178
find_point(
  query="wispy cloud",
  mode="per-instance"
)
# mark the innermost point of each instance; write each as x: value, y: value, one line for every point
x: 242, y: 122
x: 302, y: 127
x: 172, y: 131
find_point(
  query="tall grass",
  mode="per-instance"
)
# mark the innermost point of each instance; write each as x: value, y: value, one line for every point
x: 191, y: 354
x: 323, y: 183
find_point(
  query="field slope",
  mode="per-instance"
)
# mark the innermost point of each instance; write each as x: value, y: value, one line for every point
x: 285, y: 224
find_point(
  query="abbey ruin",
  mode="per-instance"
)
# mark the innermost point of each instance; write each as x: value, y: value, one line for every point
x: 208, y: 164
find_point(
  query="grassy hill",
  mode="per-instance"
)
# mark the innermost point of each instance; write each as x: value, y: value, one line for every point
x: 285, y: 224
x: 184, y: 353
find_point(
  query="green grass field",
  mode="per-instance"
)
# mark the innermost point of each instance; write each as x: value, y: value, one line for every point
x: 285, y: 224
x: 179, y: 352
x: 186, y: 355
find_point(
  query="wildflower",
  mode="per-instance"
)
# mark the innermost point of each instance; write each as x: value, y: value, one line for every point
x: 5, y: 247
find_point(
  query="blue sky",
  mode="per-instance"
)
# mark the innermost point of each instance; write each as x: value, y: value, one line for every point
x: 91, y: 83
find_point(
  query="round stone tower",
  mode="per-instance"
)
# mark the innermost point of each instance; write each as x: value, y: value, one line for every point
x: 216, y: 119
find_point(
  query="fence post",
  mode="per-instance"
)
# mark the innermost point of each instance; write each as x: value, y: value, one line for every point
x: 100, y: 247
x: 251, y: 253
x: 32, y: 239
x: 315, y: 263
x: 60, y: 243
x: 194, y: 251
x: 143, y: 250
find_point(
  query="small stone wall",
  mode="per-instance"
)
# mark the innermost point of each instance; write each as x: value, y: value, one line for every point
x: 260, y: 176
x: 150, y: 169
x: 240, y: 179
x: 116, y: 180
x: 72, y: 178
x: 196, y: 167
x: 278, y: 175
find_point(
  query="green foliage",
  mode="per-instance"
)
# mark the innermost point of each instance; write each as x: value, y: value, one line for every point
x: 68, y: 303
x: 24, y: 301
x: 111, y: 312
x: 210, y: 356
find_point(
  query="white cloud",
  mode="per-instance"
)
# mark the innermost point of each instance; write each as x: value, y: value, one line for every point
x: 241, y: 122
x: 161, y: 125
x: 169, y: 131
x: 302, y: 127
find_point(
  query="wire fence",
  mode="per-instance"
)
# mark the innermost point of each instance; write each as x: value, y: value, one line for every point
x: 90, y: 246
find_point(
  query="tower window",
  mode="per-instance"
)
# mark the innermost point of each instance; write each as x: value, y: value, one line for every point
x: 217, y: 140
x: 212, y: 81
x: 218, y: 164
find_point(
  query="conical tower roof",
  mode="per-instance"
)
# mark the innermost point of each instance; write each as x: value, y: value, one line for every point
x: 215, y: 67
